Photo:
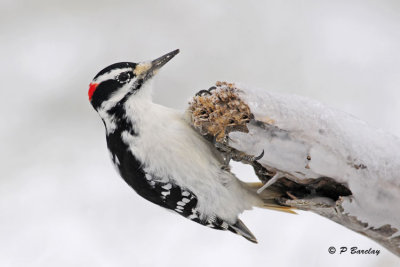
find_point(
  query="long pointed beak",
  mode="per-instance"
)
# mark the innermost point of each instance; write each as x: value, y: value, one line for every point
x: 147, y: 69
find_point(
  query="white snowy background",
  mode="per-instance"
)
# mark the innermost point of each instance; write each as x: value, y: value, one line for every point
x: 62, y: 203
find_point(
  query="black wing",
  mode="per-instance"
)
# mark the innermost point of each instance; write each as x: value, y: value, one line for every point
x: 161, y: 191
x: 184, y: 202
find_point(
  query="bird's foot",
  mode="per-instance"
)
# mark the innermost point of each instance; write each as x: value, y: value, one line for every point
x: 250, y: 158
x: 206, y: 92
x: 236, y: 155
x: 203, y: 92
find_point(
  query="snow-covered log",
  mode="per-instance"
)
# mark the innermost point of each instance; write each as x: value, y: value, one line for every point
x: 325, y: 160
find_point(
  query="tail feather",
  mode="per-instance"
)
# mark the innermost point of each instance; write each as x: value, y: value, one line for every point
x: 240, y: 228
x: 268, y: 197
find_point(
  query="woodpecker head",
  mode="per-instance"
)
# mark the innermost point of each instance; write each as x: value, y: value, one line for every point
x: 120, y: 81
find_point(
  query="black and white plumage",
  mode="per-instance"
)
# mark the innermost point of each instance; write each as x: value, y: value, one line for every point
x: 161, y: 156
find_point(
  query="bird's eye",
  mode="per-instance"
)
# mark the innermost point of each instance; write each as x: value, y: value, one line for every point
x: 123, y: 77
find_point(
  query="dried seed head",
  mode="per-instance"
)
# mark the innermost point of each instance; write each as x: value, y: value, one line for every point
x: 220, y: 112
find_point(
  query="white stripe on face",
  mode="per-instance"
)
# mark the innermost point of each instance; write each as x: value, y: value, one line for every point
x: 110, y: 75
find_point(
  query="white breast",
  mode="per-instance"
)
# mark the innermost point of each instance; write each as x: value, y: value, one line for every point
x: 170, y: 148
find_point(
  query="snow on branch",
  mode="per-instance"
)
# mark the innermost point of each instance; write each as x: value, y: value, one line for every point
x: 318, y: 158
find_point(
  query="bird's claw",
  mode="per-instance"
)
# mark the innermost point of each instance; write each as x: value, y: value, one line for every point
x: 253, y: 158
x: 212, y: 88
x: 259, y: 156
x: 207, y: 92
x: 202, y: 92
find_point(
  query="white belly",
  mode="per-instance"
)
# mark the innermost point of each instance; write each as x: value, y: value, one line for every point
x: 171, y: 149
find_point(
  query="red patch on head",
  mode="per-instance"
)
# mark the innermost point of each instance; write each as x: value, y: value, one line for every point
x: 92, y: 88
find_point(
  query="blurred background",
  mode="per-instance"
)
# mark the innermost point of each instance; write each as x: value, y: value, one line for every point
x: 62, y: 203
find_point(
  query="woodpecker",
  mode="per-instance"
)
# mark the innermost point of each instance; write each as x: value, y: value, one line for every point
x: 159, y: 154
